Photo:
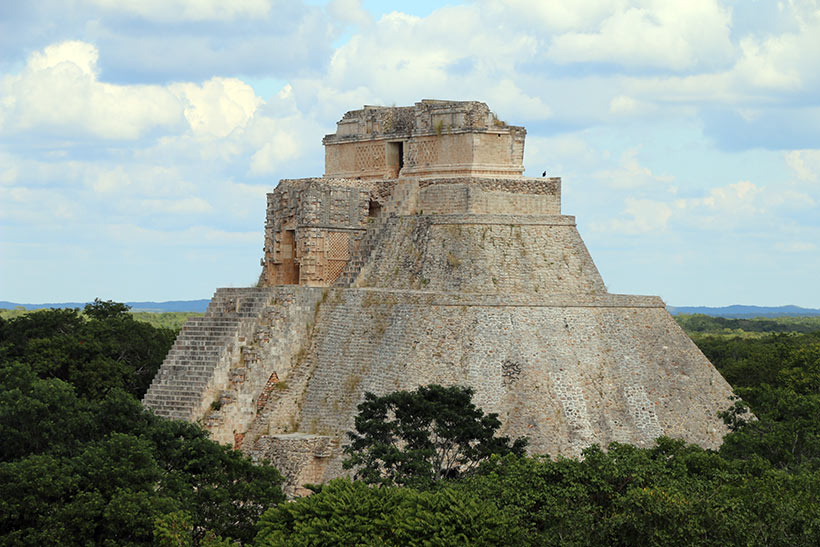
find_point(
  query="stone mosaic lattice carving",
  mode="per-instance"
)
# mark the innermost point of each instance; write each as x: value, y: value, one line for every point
x: 369, y: 157
x: 338, y: 246
x: 424, y: 153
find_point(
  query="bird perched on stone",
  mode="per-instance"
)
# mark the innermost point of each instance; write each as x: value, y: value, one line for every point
x: 544, y: 174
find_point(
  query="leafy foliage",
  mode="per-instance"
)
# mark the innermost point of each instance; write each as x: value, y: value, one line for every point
x: 352, y: 513
x: 82, y: 462
x: 103, y: 350
x: 176, y: 530
x: 424, y: 436
x: 672, y: 494
x: 778, y: 378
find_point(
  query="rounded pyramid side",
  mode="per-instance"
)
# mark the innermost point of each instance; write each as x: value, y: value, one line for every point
x: 612, y: 368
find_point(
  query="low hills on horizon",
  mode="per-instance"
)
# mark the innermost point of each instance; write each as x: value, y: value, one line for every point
x: 191, y: 306
x: 739, y: 311
x: 198, y: 306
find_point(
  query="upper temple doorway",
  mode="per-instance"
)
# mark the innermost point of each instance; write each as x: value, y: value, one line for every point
x: 289, y: 266
x: 395, y: 158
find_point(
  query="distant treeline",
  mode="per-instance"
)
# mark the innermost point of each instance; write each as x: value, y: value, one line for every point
x: 706, y: 324
x: 162, y: 320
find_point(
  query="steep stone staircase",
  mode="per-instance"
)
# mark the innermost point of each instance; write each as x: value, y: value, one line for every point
x: 396, y: 205
x: 182, y: 381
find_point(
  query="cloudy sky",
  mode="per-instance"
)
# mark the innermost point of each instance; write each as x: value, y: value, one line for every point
x: 138, y: 137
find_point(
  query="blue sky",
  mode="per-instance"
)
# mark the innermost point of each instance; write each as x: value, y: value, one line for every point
x: 138, y: 137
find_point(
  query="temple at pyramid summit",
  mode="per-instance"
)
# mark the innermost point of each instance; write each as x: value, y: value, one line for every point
x: 423, y: 255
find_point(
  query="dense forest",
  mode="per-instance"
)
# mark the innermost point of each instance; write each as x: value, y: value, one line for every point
x: 81, y: 462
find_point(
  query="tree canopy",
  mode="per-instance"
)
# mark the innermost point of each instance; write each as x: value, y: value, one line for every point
x: 101, y: 349
x: 353, y: 513
x: 423, y: 436
x: 82, y: 462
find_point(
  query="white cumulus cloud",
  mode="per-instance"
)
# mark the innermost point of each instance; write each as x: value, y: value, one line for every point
x: 630, y: 173
x: 639, y: 216
x: 653, y: 33
x: 174, y: 206
x: 58, y: 93
x: 804, y: 163
x: 218, y: 106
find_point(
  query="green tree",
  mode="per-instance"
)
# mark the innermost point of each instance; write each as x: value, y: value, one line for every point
x: 177, y: 530
x: 421, y: 437
x: 786, y: 431
x: 105, y: 349
x: 672, y: 494
x: 778, y: 377
x: 353, y: 513
x: 106, y: 309
x: 105, y: 470
x: 82, y: 462
x: 37, y: 415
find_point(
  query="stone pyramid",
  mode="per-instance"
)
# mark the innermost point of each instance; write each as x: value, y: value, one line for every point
x: 424, y: 256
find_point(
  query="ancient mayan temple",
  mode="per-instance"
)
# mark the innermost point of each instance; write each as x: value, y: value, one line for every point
x: 424, y: 256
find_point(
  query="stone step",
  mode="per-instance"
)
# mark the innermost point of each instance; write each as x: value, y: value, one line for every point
x: 188, y: 369
x: 201, y: 329
x: 181, y: 385
x: 210, y: 343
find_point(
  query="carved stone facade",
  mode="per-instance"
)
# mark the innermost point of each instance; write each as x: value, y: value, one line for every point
x: 423, y: 256
x: 312, y: 230
x: 432, y: 137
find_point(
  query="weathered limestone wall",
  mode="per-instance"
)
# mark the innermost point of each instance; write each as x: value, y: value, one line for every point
x: 432, y: 137
x: 447, y: 149
x: 452, y: 152
x: 550, y: 186
x: 316, y: 202
x: 300, y: 457
x: 464, y: 153
x: 375, y: 120
x: 519, y: 196
x: 468, y: 198
x: 367, y: 160
x: 261, y: 363
x: 564, y: 371
x: 482, y: 254
x: 312, y: 228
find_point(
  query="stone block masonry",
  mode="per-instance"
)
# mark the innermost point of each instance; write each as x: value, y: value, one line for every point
x: 564, y: 372
x: 423, y: 256
x: 312, y: 229
x: 456, y: 138
x: 221, y: 363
